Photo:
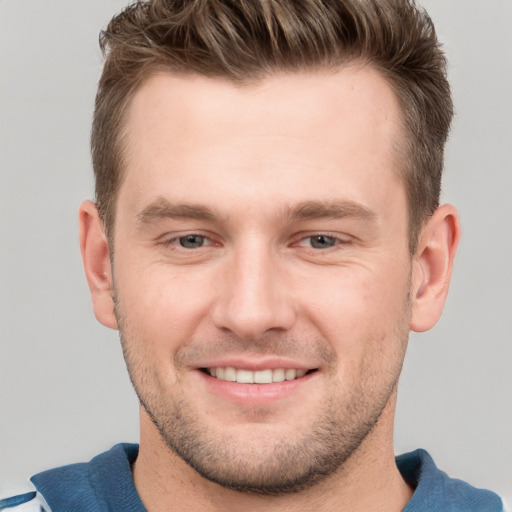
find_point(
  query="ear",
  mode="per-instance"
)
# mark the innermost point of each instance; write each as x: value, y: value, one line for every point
x: 96, y: 259
x: 432, y: 267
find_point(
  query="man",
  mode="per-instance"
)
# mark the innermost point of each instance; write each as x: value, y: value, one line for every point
x: 266, y: 233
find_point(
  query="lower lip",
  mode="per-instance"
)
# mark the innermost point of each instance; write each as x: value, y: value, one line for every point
x: 255, y: 394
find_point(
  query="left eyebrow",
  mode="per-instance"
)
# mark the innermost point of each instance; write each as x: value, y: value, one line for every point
x: 337, y: 209
x: 163, y: 209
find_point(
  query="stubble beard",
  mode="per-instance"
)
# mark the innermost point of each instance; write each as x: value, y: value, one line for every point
x: 283, y: 465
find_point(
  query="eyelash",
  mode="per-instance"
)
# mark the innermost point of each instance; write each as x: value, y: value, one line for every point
x: 176, y: 240
x: 336, y: 241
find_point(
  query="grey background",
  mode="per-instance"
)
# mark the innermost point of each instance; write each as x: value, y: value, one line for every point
x: 64, y: 392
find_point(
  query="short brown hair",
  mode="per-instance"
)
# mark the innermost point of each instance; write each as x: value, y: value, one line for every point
x: 247, y: 40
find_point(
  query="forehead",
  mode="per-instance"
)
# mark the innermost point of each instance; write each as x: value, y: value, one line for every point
x: 289, y: 137
x: 322, y: 101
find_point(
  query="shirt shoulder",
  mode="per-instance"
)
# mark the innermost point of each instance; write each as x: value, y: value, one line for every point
x: 435, y: 491
x: 68, y: 488
x: 103, y: 483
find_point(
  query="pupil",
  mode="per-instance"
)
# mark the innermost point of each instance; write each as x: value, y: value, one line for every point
x: 322, y: 241
x: 191, y: 241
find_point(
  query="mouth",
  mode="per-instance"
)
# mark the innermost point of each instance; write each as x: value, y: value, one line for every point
x: 265, y: 376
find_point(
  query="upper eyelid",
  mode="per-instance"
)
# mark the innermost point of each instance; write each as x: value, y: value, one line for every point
x: 169, y: 240
x: 174, y: 235
x: 342, y: 237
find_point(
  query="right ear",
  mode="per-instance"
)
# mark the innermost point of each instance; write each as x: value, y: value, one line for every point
x: 96, y: 259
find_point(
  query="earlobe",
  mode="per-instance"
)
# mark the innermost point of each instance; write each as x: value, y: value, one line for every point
x: 432, y: 267
x: 96, y: 260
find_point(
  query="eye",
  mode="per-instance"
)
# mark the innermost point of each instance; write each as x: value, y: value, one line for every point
x: 192, y: 241
x: 320, y: 241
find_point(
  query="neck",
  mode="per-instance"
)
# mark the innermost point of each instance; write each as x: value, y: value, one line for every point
x: 368, y: 480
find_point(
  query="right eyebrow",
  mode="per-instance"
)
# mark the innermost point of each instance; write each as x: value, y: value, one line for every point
x: 163, y: 209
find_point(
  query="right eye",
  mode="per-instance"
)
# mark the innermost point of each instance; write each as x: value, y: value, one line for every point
x: 320, y: 241
x: 192, y: 241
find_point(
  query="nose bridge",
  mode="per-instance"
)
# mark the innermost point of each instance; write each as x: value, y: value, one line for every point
x: 253, y: 298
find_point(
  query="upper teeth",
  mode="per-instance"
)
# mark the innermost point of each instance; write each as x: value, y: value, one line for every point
x: 258, y: 377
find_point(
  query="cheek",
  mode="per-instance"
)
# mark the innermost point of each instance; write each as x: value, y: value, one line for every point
x: 348, y: 295
x: 166, y: 307
x: 361, y: 310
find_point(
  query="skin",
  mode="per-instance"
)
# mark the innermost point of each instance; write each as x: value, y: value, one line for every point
x: 260, y: 172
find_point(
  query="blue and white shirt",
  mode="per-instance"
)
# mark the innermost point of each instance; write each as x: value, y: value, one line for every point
x: 106, y: 484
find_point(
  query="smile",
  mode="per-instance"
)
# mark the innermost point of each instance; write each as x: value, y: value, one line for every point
x: 267, y: 376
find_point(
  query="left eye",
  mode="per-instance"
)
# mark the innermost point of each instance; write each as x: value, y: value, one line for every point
x: 319, y: 241
x: 192, y: 241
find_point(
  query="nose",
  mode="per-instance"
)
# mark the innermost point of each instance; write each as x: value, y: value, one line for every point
x: 254, y: 297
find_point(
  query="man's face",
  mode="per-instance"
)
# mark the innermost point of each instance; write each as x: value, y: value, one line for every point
x: 261, y: 235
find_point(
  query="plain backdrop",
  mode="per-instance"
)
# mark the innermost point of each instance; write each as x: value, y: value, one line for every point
x: 64, y: 392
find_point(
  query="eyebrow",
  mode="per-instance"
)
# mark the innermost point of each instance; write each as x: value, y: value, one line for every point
x: 336, y: 209
x: 163, y: 209
x: 306, y: 210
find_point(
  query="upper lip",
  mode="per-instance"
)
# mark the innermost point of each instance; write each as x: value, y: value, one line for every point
x: 257, y: 363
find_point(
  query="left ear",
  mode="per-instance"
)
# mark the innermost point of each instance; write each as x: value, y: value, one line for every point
x: 432, y: 267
